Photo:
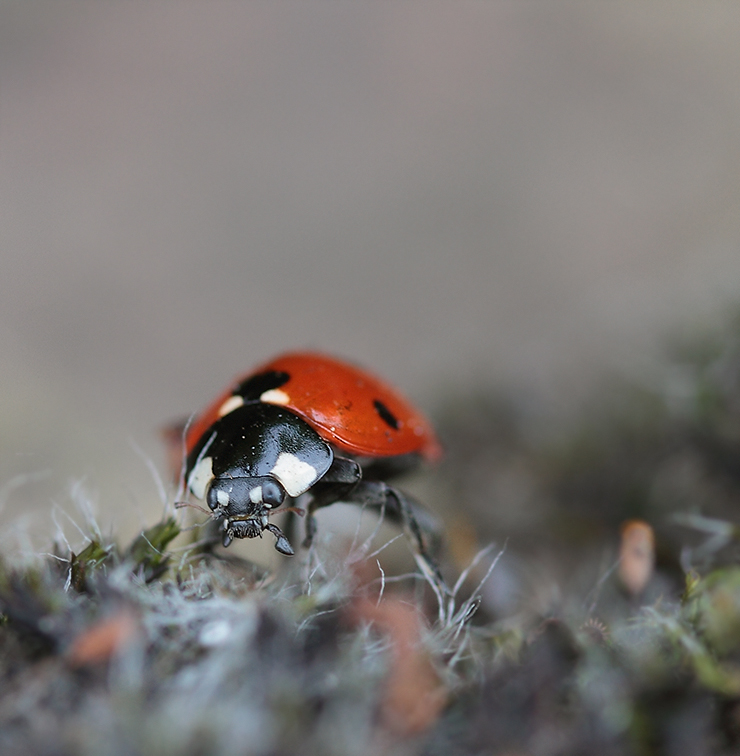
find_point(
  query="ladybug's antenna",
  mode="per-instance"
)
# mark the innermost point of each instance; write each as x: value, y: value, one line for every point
x: 296, y: 510
x: 183, y: 504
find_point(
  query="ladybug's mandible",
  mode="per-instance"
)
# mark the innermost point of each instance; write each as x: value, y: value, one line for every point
x: 306, y: 423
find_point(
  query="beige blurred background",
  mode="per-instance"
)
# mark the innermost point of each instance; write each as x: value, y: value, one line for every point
x: 452, y: 193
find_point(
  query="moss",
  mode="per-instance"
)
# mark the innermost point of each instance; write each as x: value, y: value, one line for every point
x: 127, y: 650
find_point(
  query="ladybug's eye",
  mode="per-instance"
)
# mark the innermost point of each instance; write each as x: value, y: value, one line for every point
x: 272, y: 494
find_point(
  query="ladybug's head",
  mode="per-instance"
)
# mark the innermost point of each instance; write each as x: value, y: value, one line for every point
x: 236, y: 497
x: 245, y: 505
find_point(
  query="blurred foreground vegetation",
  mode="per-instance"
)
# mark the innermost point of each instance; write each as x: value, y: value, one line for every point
x: 608, y: 624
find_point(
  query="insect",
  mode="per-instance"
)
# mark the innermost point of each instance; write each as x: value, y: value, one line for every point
x: 308, y: 427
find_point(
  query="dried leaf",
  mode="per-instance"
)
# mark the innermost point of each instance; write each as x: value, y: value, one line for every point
x: 103, y: 640
x: 636, y: 555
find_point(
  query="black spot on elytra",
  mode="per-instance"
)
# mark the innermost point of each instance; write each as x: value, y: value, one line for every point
x: 253, y: 387
x: 386, y: 415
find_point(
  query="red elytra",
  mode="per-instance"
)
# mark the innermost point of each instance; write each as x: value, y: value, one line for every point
x: 350, y: 408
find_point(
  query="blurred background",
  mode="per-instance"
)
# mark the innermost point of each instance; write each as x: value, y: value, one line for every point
x: 456, y: 195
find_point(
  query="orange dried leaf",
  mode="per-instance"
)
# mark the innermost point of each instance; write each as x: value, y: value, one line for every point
x: 104, y: 639
x: 636, y: 555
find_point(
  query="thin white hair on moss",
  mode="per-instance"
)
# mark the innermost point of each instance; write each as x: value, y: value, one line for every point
x: 358, y: 526
x: 86, y: 507
x: 187, y: 551
x: 373, y: 643
x: 383, y: 547
x: 60, y: 535
x: 68, y: 562
x: 410, y: 576
x: 452, y: 632
x: 596, y: 590
x: 720, y: 534
x: 16, y: 538
x: 48, y: 554
x: 382, y: 582
x: 331, y: 588
x: 452, y: 618
x: 311, y: 617
x: 313, y: 571
x: 312, y: 566
x: 181, y: 484
x: 168, y: 506
x: 142, y: 535
x: 361, y: 551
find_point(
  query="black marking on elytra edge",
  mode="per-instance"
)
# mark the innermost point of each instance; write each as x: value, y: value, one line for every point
x: 253, y: 387
x: 386, y: 415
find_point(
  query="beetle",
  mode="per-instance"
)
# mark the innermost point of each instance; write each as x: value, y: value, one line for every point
x: 311, y: 427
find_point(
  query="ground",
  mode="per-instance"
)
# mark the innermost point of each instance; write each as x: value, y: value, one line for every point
x: 596, y: 605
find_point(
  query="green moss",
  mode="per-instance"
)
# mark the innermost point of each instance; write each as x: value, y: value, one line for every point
x: 149, y: 553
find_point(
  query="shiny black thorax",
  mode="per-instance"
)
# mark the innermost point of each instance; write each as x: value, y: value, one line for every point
x: 247, y: 443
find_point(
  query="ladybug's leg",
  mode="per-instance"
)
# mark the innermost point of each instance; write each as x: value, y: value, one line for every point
x: 340, y: 479
x: 343, y: 483
x: 422, y: 529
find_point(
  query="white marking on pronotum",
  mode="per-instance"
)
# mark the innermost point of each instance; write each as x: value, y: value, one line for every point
x: 296, y: 475
x: 201, y: 476
x: 233, y: 402
x: 274, y: 396
x: 255, y: 495
x: 222, y: 497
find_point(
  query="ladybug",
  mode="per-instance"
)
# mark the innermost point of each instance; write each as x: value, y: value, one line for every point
x: 311, y: 426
